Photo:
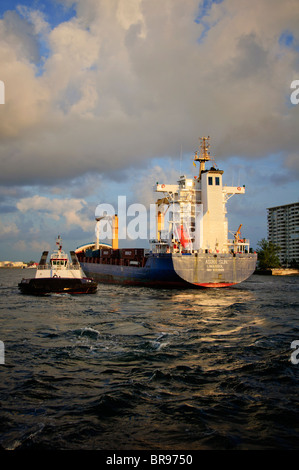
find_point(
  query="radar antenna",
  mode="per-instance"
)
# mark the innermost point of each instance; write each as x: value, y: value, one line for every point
x: 204, y: 153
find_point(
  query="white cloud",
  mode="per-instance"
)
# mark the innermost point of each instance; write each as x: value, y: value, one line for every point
x: 8, y: 229
x: 33, y: 245
x: 128, y: 81
x: 36, y: 18
x: 72, y: 210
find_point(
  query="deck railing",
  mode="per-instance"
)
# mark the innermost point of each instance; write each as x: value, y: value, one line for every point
x: 58, y: 268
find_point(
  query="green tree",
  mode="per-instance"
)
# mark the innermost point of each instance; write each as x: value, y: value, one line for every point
x: 268, y: 254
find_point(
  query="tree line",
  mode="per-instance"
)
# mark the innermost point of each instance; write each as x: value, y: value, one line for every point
x: 268, y: 257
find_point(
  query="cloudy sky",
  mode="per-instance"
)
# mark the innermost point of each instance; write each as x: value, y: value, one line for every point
x: 106, y: 97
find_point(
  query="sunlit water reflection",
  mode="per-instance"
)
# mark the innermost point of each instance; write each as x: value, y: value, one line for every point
x: 136, y: 368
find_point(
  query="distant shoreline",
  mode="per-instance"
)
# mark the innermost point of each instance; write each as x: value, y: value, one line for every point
x: 277, y: 272
x: 16, y: 267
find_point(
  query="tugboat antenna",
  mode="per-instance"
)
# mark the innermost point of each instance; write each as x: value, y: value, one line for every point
x: 59, y: 242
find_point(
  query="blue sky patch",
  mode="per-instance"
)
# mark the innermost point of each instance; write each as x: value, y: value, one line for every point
x: 203, y: 11
x: 289, y: 40
x: 53, y: 11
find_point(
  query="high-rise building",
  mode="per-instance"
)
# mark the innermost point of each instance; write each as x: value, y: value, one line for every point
x: 283, y: 230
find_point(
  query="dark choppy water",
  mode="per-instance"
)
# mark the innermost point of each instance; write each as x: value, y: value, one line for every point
x: 135, y: 368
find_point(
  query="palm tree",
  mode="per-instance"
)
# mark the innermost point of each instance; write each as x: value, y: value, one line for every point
x: 268, y: 254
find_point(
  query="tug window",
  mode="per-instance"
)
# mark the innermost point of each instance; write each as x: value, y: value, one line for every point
x: 210, y: 180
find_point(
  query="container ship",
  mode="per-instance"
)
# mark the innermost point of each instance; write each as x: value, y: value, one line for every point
x: 192, y: 247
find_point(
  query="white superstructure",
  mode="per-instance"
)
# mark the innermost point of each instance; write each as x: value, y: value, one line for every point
x: 191, y: 215
x: 60, y: 265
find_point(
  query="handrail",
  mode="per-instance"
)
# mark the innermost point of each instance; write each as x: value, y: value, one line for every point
x: 58, y: 268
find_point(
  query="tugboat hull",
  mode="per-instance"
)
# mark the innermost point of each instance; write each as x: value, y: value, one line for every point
x: 57, y: 285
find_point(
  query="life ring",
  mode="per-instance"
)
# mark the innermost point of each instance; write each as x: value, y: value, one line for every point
x: 162, y: 185
x: 55, y: 275
x: 238, y: 188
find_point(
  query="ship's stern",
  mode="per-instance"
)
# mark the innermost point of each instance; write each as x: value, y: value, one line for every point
x: 214, y: 270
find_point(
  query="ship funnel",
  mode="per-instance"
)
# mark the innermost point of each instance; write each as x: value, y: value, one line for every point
x: 113, y: 220
x: 115, y: 232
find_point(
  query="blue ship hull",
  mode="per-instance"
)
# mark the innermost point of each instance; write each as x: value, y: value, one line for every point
x: 173, y: 270
x: 157, y: 272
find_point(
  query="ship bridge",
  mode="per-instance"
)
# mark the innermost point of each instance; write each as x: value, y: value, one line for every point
x: 196, y: 210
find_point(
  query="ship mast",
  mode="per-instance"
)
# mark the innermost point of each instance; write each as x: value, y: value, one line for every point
x: 204, y: 155
x: 59, y: 243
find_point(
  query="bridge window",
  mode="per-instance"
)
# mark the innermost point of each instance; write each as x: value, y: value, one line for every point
x: 210, y: 180
x: 217, y: 181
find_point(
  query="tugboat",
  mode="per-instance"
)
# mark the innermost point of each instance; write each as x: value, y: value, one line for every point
x: 192, y: 250
x: 59, y: 276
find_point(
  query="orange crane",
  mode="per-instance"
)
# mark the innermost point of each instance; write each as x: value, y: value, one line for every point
x: 237, y: 234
